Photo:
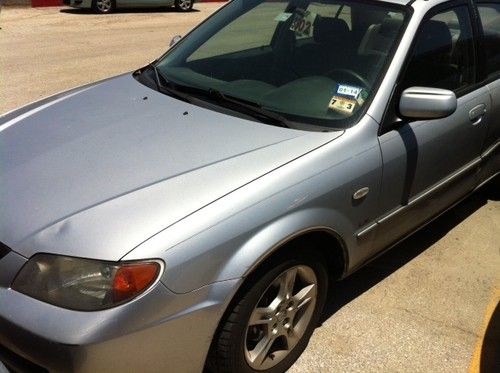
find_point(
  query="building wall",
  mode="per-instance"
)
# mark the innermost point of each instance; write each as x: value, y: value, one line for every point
x: 33, y: 2
x: 36, y: 3
x: 16, y: 2
x: 39, y: 3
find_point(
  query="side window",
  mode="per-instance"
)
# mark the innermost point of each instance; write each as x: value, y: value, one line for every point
x: 490, y: 19
x: 443, y: 53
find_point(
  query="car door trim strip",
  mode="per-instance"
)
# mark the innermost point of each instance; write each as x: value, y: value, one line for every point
x: 491, y: 149
x: 419, y: 197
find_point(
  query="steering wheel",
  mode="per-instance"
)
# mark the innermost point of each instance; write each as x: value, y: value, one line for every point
x: 347, y: 73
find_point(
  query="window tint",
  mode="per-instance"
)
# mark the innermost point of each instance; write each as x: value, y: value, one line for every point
x: 490, y: 19
x: 315, y: 62
x: 443, y: 52
x: 257, y: 19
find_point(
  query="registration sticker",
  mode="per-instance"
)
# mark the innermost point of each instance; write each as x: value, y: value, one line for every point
x: 348, y: 90
x: 302, y: 24
x: 342, y: 104
x: 282, y: 17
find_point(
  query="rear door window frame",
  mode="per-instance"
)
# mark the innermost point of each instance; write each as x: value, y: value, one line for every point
x: 481, y: 55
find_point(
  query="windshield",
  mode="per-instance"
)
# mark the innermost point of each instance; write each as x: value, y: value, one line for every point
x: 314, y: 62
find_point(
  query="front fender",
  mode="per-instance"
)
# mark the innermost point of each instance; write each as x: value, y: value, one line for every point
x: 228, y: 238
x: 275, y: 235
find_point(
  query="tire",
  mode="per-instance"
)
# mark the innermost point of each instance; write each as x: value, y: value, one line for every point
x: 184, y: 5
x: 257, y: 333
x: 103, y: 6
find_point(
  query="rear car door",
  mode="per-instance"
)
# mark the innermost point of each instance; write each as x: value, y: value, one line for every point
x: 428, y: 165
x: 489, y: 17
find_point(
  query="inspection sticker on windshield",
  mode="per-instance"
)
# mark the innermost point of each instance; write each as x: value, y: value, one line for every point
x: 342, y: 104
x: 282, y: 17
x: 348, y: 91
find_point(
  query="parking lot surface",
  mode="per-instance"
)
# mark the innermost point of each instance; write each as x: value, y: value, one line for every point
x: 425, y: 306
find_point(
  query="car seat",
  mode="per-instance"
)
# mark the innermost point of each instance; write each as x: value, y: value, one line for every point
x: 329, y: 49
x: 375, y: 47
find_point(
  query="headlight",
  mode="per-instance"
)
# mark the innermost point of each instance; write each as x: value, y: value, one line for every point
x: 83, y: 284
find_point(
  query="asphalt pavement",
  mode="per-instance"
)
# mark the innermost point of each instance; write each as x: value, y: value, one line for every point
x: 428, y: 305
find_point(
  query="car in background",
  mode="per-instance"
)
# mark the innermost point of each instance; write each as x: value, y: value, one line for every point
x: 109, y: 6
x: 195, y: 213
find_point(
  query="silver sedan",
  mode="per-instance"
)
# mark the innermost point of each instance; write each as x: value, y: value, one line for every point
x: 109, y: 6
x: 193, y: 214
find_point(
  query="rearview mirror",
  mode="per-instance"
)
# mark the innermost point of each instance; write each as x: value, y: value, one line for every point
x: 175, y: 40
x: 427, y: 103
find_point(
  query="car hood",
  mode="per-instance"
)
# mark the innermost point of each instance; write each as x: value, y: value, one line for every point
x: 96, y: 171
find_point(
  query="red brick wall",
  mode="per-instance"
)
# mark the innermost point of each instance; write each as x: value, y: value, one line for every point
x: 35, y: 3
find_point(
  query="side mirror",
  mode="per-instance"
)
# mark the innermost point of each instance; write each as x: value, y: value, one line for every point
x: 427, y: 103
x: 175, y: 40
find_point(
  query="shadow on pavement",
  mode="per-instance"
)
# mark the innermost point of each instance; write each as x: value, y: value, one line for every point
x: 78, y: 11
x: 361, y: 281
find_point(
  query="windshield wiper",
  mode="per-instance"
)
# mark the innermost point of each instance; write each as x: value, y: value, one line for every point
x: 162, y: 85
x: 156, y: 75
x: 185, y: 93
x: 254, y: 108
x: 250, y: 108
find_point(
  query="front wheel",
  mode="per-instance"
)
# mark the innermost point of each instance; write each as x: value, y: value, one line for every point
x: 184, y: 5
x: 103, y: 6
x: 272, y: 323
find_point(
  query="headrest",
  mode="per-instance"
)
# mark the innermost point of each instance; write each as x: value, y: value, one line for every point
x: 435, y: 38
x: 330, y: 30
x: 390, y: 26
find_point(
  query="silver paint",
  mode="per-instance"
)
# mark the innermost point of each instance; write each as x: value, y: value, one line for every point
x: 136, y: 182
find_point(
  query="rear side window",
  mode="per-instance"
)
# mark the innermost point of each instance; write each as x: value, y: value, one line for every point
x: 490, y: 19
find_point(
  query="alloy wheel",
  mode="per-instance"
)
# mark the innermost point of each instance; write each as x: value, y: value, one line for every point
x: 104, y: 6
x: 184, y: 5
x: 280, y: 318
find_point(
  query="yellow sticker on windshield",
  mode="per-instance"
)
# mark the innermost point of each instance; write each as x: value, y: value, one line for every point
x: 342, y: 105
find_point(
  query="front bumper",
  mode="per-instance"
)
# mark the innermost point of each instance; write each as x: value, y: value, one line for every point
x: 160, y: 331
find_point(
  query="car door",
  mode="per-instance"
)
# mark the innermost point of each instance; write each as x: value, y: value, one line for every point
x: 429, y: 165
x: 489, y: 16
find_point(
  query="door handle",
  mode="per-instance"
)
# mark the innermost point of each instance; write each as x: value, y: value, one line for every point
x: 477, y: 113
